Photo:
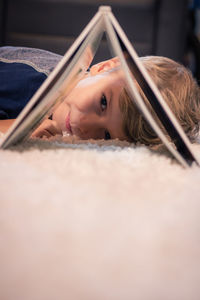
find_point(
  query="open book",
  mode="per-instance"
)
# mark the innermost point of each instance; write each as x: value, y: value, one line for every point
x: 72, y: 68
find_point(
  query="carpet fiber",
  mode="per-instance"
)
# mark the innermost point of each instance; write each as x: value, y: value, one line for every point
x: 97, y: 221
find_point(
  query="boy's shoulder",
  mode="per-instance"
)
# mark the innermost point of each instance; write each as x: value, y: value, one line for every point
x: 42, y: 60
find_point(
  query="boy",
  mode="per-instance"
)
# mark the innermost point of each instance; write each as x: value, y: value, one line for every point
x: 99, y: 106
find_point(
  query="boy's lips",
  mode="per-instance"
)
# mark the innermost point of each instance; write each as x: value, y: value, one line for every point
x: 67, y: 123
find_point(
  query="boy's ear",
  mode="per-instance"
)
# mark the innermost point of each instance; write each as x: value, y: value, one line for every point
x: 104, y: 66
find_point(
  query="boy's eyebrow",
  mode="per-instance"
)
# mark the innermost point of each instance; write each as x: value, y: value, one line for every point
x: 110, y: 107
x: 110, y: 101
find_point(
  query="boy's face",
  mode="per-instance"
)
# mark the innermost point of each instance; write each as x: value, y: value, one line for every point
x: 92, y: 110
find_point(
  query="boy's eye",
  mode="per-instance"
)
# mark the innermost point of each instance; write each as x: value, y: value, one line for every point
x: 103, y: 102
x: 107, y: 135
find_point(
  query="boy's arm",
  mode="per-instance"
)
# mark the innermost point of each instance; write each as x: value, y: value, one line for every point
x: 5, y: 124
x: 47, y: 128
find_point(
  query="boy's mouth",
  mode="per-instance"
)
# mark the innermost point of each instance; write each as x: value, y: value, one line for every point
x: 67, y: 123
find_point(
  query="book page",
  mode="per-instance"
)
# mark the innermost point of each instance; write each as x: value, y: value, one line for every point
x: 134, y: 70
x: 58, y: 85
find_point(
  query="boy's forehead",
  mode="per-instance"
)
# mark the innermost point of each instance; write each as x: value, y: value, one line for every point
x: 88, y: 80
x: 113, y: 79
x: 103, y: 80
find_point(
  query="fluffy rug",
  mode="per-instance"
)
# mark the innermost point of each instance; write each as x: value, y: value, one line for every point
x: 104, y: 221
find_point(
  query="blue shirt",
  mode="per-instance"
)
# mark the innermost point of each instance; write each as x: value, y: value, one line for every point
x: 22, y: 71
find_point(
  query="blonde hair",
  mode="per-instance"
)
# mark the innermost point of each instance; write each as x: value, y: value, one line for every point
x: 178, y: 88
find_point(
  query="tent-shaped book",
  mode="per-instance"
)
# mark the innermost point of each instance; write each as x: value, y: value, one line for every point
x: 73, y: 66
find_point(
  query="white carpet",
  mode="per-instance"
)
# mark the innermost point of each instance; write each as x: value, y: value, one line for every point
x: 100, y: 222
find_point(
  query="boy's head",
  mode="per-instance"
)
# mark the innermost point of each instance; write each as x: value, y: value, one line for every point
x: 100, y: 107
x: 178, y: 88
x: 91, y: 110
